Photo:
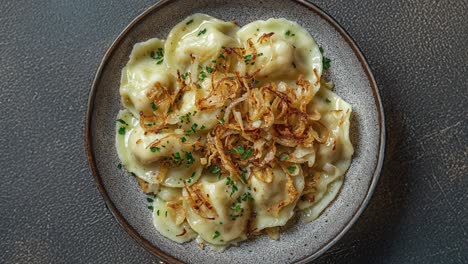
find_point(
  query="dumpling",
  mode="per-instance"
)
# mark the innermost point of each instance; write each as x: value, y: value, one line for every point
x: 200, y: 38
x: 275, y: 195
x: 169, y: 220
x: 283, y: 50
x: 223, y: 215
x: 332, y: 158
x: 145, y: 70
x: 171, y: 163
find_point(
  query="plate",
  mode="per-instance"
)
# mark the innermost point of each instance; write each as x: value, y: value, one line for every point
x: 353, y: 82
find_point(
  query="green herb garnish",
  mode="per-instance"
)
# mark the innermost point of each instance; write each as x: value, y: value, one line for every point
x: 153, y: 105
x: 216, y: 170
x: 292, y: 169
x: 209, y: 69
x: 189, y: 158
x: 189, y: 22
x: 177, y: 156
x: 247, y: 153
x: 122, y: 122
x: 327, y: 100
x: 326, y: 61
x: 202, y: 76
x: 122, y: 130
x: 149, y: 200
x: 155, y: 149
x: 233, y: 185
x: 194, y: 126
x: 216, y: 234
x: 201, y: 32
x: 183, y: 139
x: 191, y: 177
x: 284, y: 157
x: 247, y: 58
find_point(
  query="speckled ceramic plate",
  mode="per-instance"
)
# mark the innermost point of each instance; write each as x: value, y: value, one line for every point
x: 353, y: 82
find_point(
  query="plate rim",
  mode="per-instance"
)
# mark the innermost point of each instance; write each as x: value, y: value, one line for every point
x: 160, y: 254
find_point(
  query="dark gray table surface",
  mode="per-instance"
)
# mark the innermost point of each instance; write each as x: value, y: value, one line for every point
x: 52, y: 212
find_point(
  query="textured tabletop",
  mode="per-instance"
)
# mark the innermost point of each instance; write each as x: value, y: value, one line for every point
x: 52, y: 212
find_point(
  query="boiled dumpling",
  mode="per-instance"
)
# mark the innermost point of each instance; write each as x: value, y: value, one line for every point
x: 200, y: 38
x: 275, y: 196
x: 145, y: 70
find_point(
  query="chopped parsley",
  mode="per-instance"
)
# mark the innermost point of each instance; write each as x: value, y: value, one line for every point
x: 233, y: 185
x: 292, y: 169
x: 194, y: 126
x: 184, y: 75
x: 247, y: 58
x: 169, y: 110
x: 155, y: 149
x: 165, y: 214
x: 326, y: 61
x: 202, y: 76
x: 189, y: 22
x: 247, y: 153
x: 222, y: 120
x: 260, y: 54
x: 153, y: 105
x: 289, y: 33
x: 240, y: 149
x: 209, y: 69
x: 158, y: 56
x: 327, y: 100
x: 183, y: 139
x: 149, y: 200
x: 119, y: 166
x: 216, y: 234
x: 189, y: 180
x: 157, y: 212
x: 177, y: 156
x: 150, y: 207
x: 201, y: 32
x: 221, y: 56
x: 247, y: 197
x: 189, y: 158
x: 216, y: 170
x: 122, y: 122
x: 122, y: 130
x: 284, y: 157
x: 203, y: 127
x: 236, y: 207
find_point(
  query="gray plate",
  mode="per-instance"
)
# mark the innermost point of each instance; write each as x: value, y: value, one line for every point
x: 353, y: 82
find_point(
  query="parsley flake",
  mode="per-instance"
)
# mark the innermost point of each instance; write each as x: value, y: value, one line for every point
x: 247, y: 153
x: 155, y: 149
x: 153, y: 105
x: 189, y: 22
x: 122, y: 130
x: 292, y: 169
x: 201, y: 32
x: 284, y: 157
x: 122, y: 122
x: 216, y: 234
